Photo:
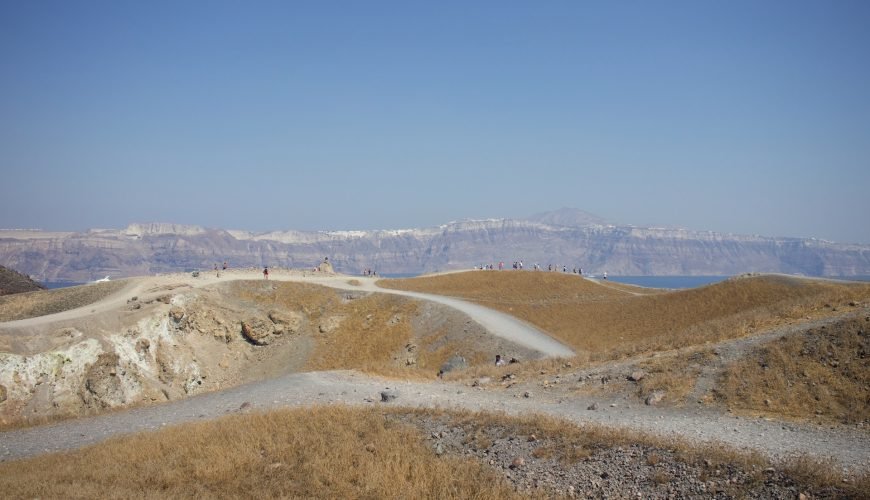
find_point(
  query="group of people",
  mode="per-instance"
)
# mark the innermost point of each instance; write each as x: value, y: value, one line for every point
x: 369, y: 272
x: 218, y: 270
x: 518, y: 265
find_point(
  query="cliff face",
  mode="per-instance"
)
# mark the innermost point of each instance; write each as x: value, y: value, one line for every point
x: 158, y: 248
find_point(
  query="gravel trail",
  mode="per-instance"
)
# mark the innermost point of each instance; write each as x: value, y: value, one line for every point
x: 848, y: 447
x: 144, y: 288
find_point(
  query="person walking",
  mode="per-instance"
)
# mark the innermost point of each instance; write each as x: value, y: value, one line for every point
x: 265, y: 273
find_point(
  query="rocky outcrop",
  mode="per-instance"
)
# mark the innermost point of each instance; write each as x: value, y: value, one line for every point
x: 103, y: 387
x: 289, y: 322
x: 257, y: 330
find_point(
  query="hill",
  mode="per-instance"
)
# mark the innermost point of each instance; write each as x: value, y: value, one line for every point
x: 12, y: 281
x: 609, y: 320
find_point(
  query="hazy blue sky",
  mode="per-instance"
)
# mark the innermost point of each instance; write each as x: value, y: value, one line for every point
x: 748, y: 117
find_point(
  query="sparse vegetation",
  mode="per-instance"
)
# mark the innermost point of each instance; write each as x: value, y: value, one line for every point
x: 609, y: 323
x: 43, y: 302
x: 312, y: 453
x: 336, y: 452
x: 820, y: 374
x: 372, y: 333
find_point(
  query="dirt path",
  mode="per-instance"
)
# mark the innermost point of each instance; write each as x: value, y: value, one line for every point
x: 851, y: 448
x: 146, y: 288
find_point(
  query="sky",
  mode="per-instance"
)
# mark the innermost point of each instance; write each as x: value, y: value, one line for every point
x: 748, y: 117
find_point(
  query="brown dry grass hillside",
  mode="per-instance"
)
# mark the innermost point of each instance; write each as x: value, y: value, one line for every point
x: 11, y: 281
x: 822, y: 372
x: 335, y: 452
x: 606, y: 321
x: 43, y: 302
x: 376, y: 333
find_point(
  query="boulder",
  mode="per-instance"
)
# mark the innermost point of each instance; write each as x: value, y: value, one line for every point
x: 257, y: 330
x: 388, y: 395
x: 103, y: 388
x: 289, y: 322
x: 176, y: 313
x: 454, y: 363
x: 142, y: 345
x: 328, y: 325
x: 654, y: 398
x: 637, y: 376
x: 325, y: 266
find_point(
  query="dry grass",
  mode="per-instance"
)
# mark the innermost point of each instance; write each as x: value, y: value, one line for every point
x: 675, y: 375
x: 312, y: 453
x: 43, y: 302
x: 337, y: 452
x: 609, y: 322
x: 366, y: 332
x: 821, y: 374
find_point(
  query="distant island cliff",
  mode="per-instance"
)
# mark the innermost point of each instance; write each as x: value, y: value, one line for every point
x: 567, y: 237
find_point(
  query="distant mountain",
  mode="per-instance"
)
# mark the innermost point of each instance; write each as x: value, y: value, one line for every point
x: 569, y: 217
x: 11, y: 281
x: 566, y: 237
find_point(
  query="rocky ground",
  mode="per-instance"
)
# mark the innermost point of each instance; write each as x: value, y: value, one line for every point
x: 538, y: 464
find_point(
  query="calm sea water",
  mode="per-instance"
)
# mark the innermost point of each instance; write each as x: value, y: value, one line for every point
x: 668, y: 281
x: 51, y: 285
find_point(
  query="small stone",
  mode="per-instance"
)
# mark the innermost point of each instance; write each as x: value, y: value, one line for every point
x: 370, y: 447
x: 527, y: 394
x: 532, y: 438
x: 593, y: 406
x: 654, y: 398
x: 176, y: 313
x: 388, y: 395
x: 518, y: 462
x: 637, y: 376
x: 245, y: 406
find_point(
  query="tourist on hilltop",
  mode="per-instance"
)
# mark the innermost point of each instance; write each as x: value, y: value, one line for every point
x: 266, y: 273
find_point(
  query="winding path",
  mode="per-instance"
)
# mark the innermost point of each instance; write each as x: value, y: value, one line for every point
x: 849, y: 447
